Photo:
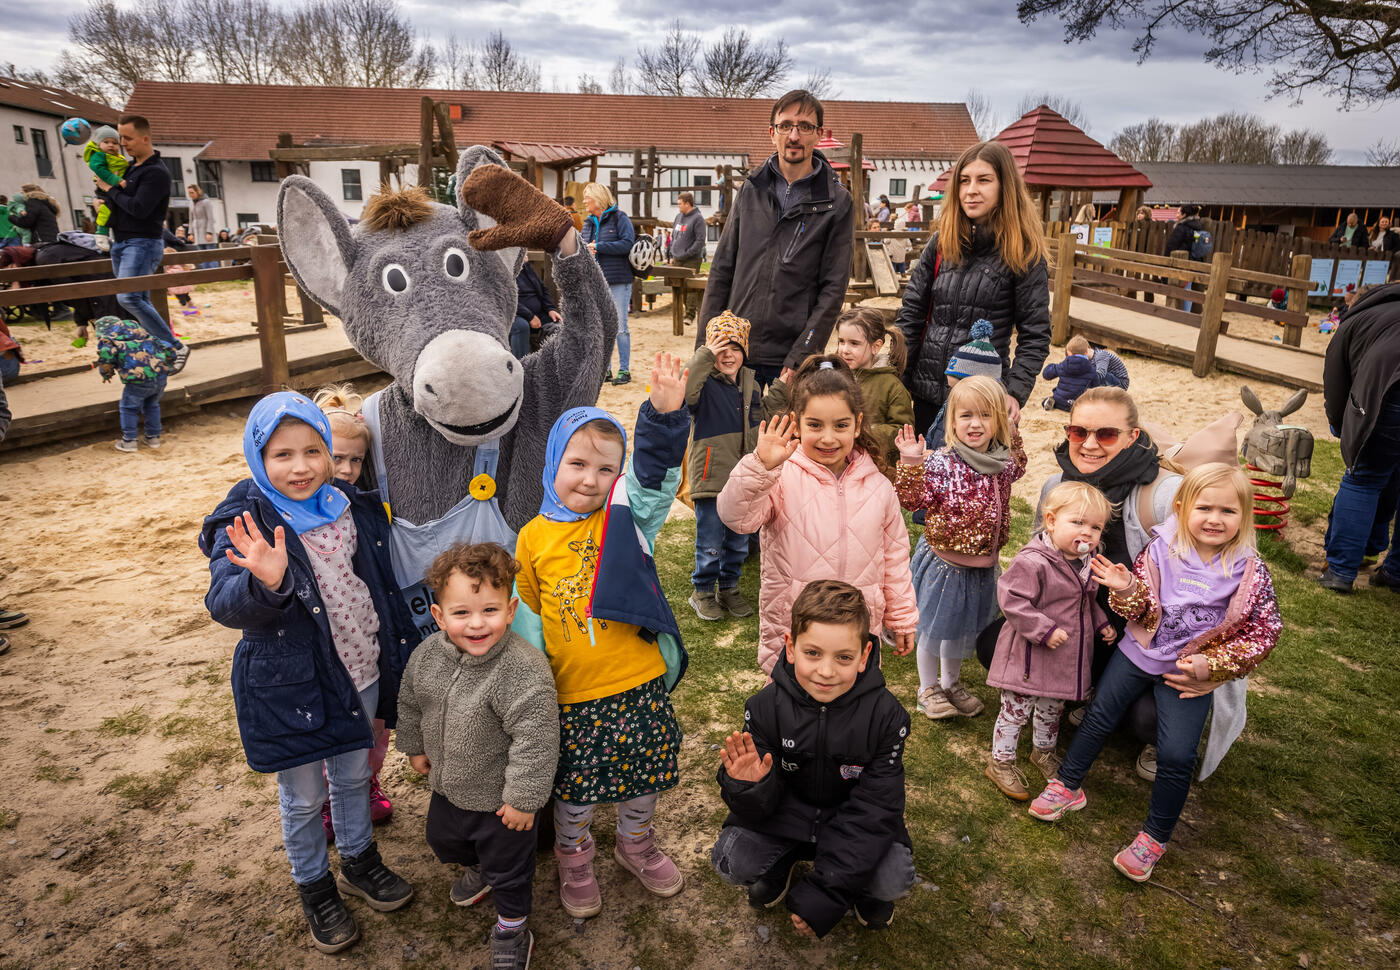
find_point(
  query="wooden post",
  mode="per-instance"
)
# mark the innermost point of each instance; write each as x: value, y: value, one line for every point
x: 1297, y: 298
x: 860, y: 268
x: 532, y: 171
x: 636, y: 184
x: 1214, y: 306
x: 284, y: 140
x: 612, y: 186
x: 310, y: 309
x: 593, y: 169
x: 272, y: 340
x: 678, y: 308
x: 445, y: 135
x: 1175, y: 302
x: 1064, y: 279
x: 653, y: 177
x: 425, y: 143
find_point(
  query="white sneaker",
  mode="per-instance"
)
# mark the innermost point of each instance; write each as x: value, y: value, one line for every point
x: 103, y: 243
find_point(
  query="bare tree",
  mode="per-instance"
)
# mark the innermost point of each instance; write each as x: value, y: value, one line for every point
x: 669, y: 68
x: 1346, y: 47
x: 110, y: 52
x: 737, y: 66
x: 617, y: 77
x: 380, y: 46
x: 319, y: 56
x: 984, y: 117
x: 457, y: 64
x: 820, y: 85
x: 588, y: 84
x: 1383, y: 153
x: 503, y: 68
x: 1303, y: 147
x: 1068, y: 108
x: 240, y: 40
x: 1153, y: 140
x: 1233, y: 138
x: 169, y: 51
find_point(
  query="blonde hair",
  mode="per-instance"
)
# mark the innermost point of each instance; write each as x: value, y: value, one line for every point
x: 1077, y: 497
x: 974, y: 391
x: 1196, y: 481
x: 1019, y: 235
x: 1117, y: 397
x: 1077, y: 345
x: 599, y: 193
x: 341, y: 404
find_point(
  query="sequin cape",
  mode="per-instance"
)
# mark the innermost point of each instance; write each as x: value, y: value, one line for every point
x: 1237, y: 645
x: 967, y: 516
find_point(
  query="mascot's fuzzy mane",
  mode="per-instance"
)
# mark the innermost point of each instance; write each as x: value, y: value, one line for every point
x: 397, y: 209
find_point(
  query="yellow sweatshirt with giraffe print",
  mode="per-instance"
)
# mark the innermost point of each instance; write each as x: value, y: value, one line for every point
x: 557, y: 564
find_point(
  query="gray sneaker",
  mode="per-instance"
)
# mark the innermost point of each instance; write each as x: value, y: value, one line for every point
x: 733, y: 601
x: 967, y: 705
x: 151, y: 442
x: 706, y: 605
x: 127, y: 446
x: 1147, y: 763
x: 935, y: 704
x: 511, y: 951
x: 470, y: 887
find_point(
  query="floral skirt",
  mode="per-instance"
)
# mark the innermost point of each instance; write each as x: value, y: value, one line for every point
x: 618, y: 747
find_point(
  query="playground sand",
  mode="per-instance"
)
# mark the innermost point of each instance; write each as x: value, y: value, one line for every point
x: 131, y: 831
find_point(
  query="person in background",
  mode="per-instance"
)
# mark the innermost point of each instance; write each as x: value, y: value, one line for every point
x: 9, y: 235
x: 127, y: 351
x: 688, y: 245
x: 203, y: 221
x: 533, y: 307
x: 609, y: 235
x: 1387, y: 240
x: 1073, y: 376
x: 883, y: 211
x: 913, y: 216
x: 1349, y: 233
x: 36, y: 211
x: 897, y: 247
x: 568, y: 203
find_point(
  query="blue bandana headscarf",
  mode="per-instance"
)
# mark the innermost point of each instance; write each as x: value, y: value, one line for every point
x: 569, y: 422
x: 326, y: 505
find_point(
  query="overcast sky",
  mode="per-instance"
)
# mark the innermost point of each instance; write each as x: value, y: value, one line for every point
x: 914, y: 50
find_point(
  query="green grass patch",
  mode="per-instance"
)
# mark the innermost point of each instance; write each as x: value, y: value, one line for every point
x: 134, y: 721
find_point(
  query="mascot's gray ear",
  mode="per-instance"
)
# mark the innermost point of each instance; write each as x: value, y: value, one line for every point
x: 315, y: 238
x: 469, y: 159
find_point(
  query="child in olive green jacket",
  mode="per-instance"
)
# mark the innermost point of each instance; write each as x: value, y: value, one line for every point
x: 877, y: 355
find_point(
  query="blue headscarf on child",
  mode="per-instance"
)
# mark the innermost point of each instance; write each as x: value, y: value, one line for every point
x: 328, y: 502
x: 569, y: 422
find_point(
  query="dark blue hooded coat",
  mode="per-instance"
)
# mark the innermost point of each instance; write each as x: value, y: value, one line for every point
x: 1076, y: 375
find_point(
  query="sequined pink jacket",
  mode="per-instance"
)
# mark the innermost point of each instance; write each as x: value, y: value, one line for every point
x: 967, y: 517
x: 1237, y: 645
x: 813, y: 525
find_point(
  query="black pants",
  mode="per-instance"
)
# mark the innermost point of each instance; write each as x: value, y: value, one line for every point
x: 507, y: 858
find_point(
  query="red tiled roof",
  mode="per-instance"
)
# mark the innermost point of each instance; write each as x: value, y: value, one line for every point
x: 243, y: 120
x: 547, y: 154
x: 53, y: 101
x: 1052, y: 152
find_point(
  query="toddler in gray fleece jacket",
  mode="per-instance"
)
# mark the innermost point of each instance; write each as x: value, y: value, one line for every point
x: 478, y: 713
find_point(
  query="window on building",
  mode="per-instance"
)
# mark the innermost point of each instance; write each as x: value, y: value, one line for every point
x: 702, y: 197
x: 350, y: 183
x: 177, y: 175
x: 897, y: 188
x: 19, y: 134
x: 264, y: 171
x: 712, y: 233
x: 678, y: 177
x: 246, y: 219
x: 210, y: 176
x: 41, y: 153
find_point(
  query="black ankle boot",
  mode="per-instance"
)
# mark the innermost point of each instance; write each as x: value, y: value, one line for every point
x: 366, y: 876
x: 332, y: 927
x: 770, y: 888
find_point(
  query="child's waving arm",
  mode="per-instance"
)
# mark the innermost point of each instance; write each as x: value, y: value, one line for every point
x: 1129, y: 594
x: 1018, y: 462
x: 1245, y: 647
x: 747, y: 782
x: 249, y: 582
x: 912, y: 474
x: 660, y: 436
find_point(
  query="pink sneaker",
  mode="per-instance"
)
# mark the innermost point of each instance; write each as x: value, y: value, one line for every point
x: 578, y: 887
x: 380, y: 809
x: 1055, y: 800
x: 653, y: 867
x: 1137, y: 860
x: 326, y: 821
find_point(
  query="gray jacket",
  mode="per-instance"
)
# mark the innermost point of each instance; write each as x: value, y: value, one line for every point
x: 489, y: 725
x: 688, y: 236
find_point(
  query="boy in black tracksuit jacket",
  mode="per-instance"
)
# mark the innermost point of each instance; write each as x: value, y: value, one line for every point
x: 818, y: 774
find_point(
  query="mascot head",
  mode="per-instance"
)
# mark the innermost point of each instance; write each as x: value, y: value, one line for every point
x: 415, y: 297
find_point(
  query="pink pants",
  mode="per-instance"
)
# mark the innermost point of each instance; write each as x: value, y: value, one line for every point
x: 1016, y: 710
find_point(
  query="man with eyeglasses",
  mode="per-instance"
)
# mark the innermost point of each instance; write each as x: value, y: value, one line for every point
x: 784, y: 258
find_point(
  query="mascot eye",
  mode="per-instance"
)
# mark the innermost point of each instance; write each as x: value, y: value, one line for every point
x: 454, y: 264
x: 395, y: 279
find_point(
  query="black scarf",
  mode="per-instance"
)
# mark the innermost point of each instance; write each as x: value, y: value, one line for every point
x: 1133, y: 466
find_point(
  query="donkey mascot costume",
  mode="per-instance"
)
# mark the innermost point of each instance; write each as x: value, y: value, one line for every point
x: 427, y: 292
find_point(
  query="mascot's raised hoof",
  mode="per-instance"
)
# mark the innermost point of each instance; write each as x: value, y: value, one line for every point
x: 427, y: 292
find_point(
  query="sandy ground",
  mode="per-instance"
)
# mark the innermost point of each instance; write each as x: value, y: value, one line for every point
x: 131, y: 831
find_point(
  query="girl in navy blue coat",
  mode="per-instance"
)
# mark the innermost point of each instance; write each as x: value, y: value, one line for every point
x: 300, y: 563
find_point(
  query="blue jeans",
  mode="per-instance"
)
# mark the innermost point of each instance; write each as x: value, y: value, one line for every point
x: 301, y: 791
x: 213, y: 265
x: 742, y: 856
x: 1179, y: 727
x: 141, y: 257
x: 520, y: 337
x: 9, y: 369
x: 719, y: 550
x: 141, y: 399
x: 621, y: 294
x: 1371, y: 482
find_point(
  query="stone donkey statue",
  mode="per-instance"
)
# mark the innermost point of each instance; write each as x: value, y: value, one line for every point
x: 428, y: 292
x: 1274, y: 448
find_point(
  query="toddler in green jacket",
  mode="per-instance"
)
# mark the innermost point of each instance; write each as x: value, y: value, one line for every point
x: 103, y: 154
x: 478, y: 714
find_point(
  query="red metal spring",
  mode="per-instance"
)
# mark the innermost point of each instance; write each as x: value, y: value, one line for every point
x: 1270, y: 507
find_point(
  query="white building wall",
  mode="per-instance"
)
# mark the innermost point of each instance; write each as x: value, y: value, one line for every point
x: 71, y: 182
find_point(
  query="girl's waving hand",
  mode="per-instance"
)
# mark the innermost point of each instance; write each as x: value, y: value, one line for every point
x: 668, y: 383
x: 267, y: 563
x: 910, y: 445
x: 777, y: 440
x: 1115, y: 576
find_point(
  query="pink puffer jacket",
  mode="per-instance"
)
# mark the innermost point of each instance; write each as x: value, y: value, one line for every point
x: 814, y: 525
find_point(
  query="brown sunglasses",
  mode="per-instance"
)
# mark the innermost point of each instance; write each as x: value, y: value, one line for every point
x: 1104, y: 436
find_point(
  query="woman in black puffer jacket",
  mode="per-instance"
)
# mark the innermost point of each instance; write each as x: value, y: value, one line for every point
x: 39, y: 214
x: 987, y: 260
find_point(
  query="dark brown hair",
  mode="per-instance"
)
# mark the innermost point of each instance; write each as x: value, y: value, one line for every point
x: 815, y: 380
x: 872, y: 324
x: 799, y: 97
x: 830, y: 601
x: 481, y: 561
x: 1019, y: 234
x: 687, y: 197
x: 139, y: 122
